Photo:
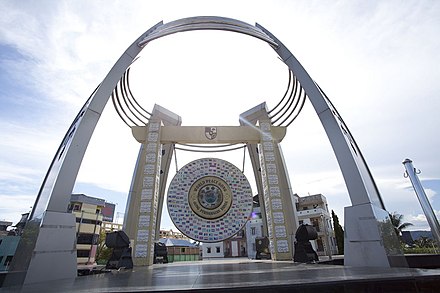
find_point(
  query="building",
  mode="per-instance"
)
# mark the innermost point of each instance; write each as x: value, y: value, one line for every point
x: 236, y: 246
x: 3, y: 227
x: 109, y: 222
x: 9, y: 240
x: 88, y: 213
x: 8, y: 245
x: 172, y: 234
x: 313, y: 210
x: 111, y: 226
x: 254, y: 230
x: 180, y: 250
x: 108, y: 212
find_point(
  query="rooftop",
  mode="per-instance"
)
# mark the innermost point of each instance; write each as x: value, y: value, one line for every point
x: 79, y: 197
x: 176, y: 242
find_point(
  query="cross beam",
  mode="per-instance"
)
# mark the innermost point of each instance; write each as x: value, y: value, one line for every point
x: 201, y: 135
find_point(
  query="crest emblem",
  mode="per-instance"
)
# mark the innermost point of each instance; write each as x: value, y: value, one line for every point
x: 211, y: 132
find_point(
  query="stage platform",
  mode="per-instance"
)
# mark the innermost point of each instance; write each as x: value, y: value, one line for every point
x: 243, y: 275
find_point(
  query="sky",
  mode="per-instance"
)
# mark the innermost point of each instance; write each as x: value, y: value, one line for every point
x: 378, y: 62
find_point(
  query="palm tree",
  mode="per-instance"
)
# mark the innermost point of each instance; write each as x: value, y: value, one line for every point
x: 396, y: 220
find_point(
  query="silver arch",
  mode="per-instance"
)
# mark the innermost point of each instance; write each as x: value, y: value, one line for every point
x: 35, y: 255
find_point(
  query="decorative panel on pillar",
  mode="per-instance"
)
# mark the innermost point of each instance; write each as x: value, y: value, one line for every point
x: 276, y: 204
x: 144, y: 235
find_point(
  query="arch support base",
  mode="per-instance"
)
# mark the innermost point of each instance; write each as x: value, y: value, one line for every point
x: 370, y: 238
x: 54, y: 251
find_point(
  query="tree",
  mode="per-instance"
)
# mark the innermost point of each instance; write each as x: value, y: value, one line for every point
x: 397, y: 221
x: 424, y: 242
x: 103, y: 253
x: 339, y: 233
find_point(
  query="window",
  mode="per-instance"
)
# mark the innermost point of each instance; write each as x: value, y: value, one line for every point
x: 1, y: 258
x: 84, y: 238
x: 253, y: 230
x: 217, y: 249
x: 315, y: 223
x: 77, y: 207
x: 208, y: 249
x: 88, y: 221
x: 82, y: 253
x: 320, y: 244
x: 182, y: 250
x: 8, y: 260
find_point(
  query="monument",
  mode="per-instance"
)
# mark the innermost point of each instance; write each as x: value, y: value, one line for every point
x: 206, y: 192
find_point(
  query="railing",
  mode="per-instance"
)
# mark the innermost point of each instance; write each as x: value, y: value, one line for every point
x: 317, y: 211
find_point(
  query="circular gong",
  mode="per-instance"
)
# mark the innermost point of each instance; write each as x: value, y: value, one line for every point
x: 209, y: 200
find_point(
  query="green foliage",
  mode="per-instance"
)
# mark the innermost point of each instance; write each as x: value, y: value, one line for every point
x: 424, y: 242
x: 422, y: 245
x: 103, y: 253
x: 339, y: 233
x: 420, y: 250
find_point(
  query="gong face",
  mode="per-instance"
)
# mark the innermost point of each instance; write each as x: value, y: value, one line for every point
x: 210, y: 197
x: 209, y: 200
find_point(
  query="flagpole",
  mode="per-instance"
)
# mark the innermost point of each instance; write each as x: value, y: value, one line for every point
x: 423, y: 199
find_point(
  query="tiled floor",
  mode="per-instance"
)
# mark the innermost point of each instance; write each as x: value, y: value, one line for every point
x: 242, y: 275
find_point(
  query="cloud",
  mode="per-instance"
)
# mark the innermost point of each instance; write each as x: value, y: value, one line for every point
x: 430, y: 194
x: 14, y: 205
x: 418, y: 218
x: 376, y: 61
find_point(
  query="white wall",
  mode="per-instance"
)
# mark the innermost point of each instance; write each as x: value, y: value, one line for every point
x: 253, y: 230
x: 210, y: 250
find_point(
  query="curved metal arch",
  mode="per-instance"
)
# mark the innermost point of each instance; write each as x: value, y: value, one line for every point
x: 302, y: 99
x: 357, y: 176
x: 287, y: 106
x: 129, y: 110
x: 81, y: 135
x: 58, y: 184
x: 286, y: 93
x: 207, y: 23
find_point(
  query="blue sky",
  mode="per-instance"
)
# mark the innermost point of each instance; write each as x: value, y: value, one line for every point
x: 376, y: 60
